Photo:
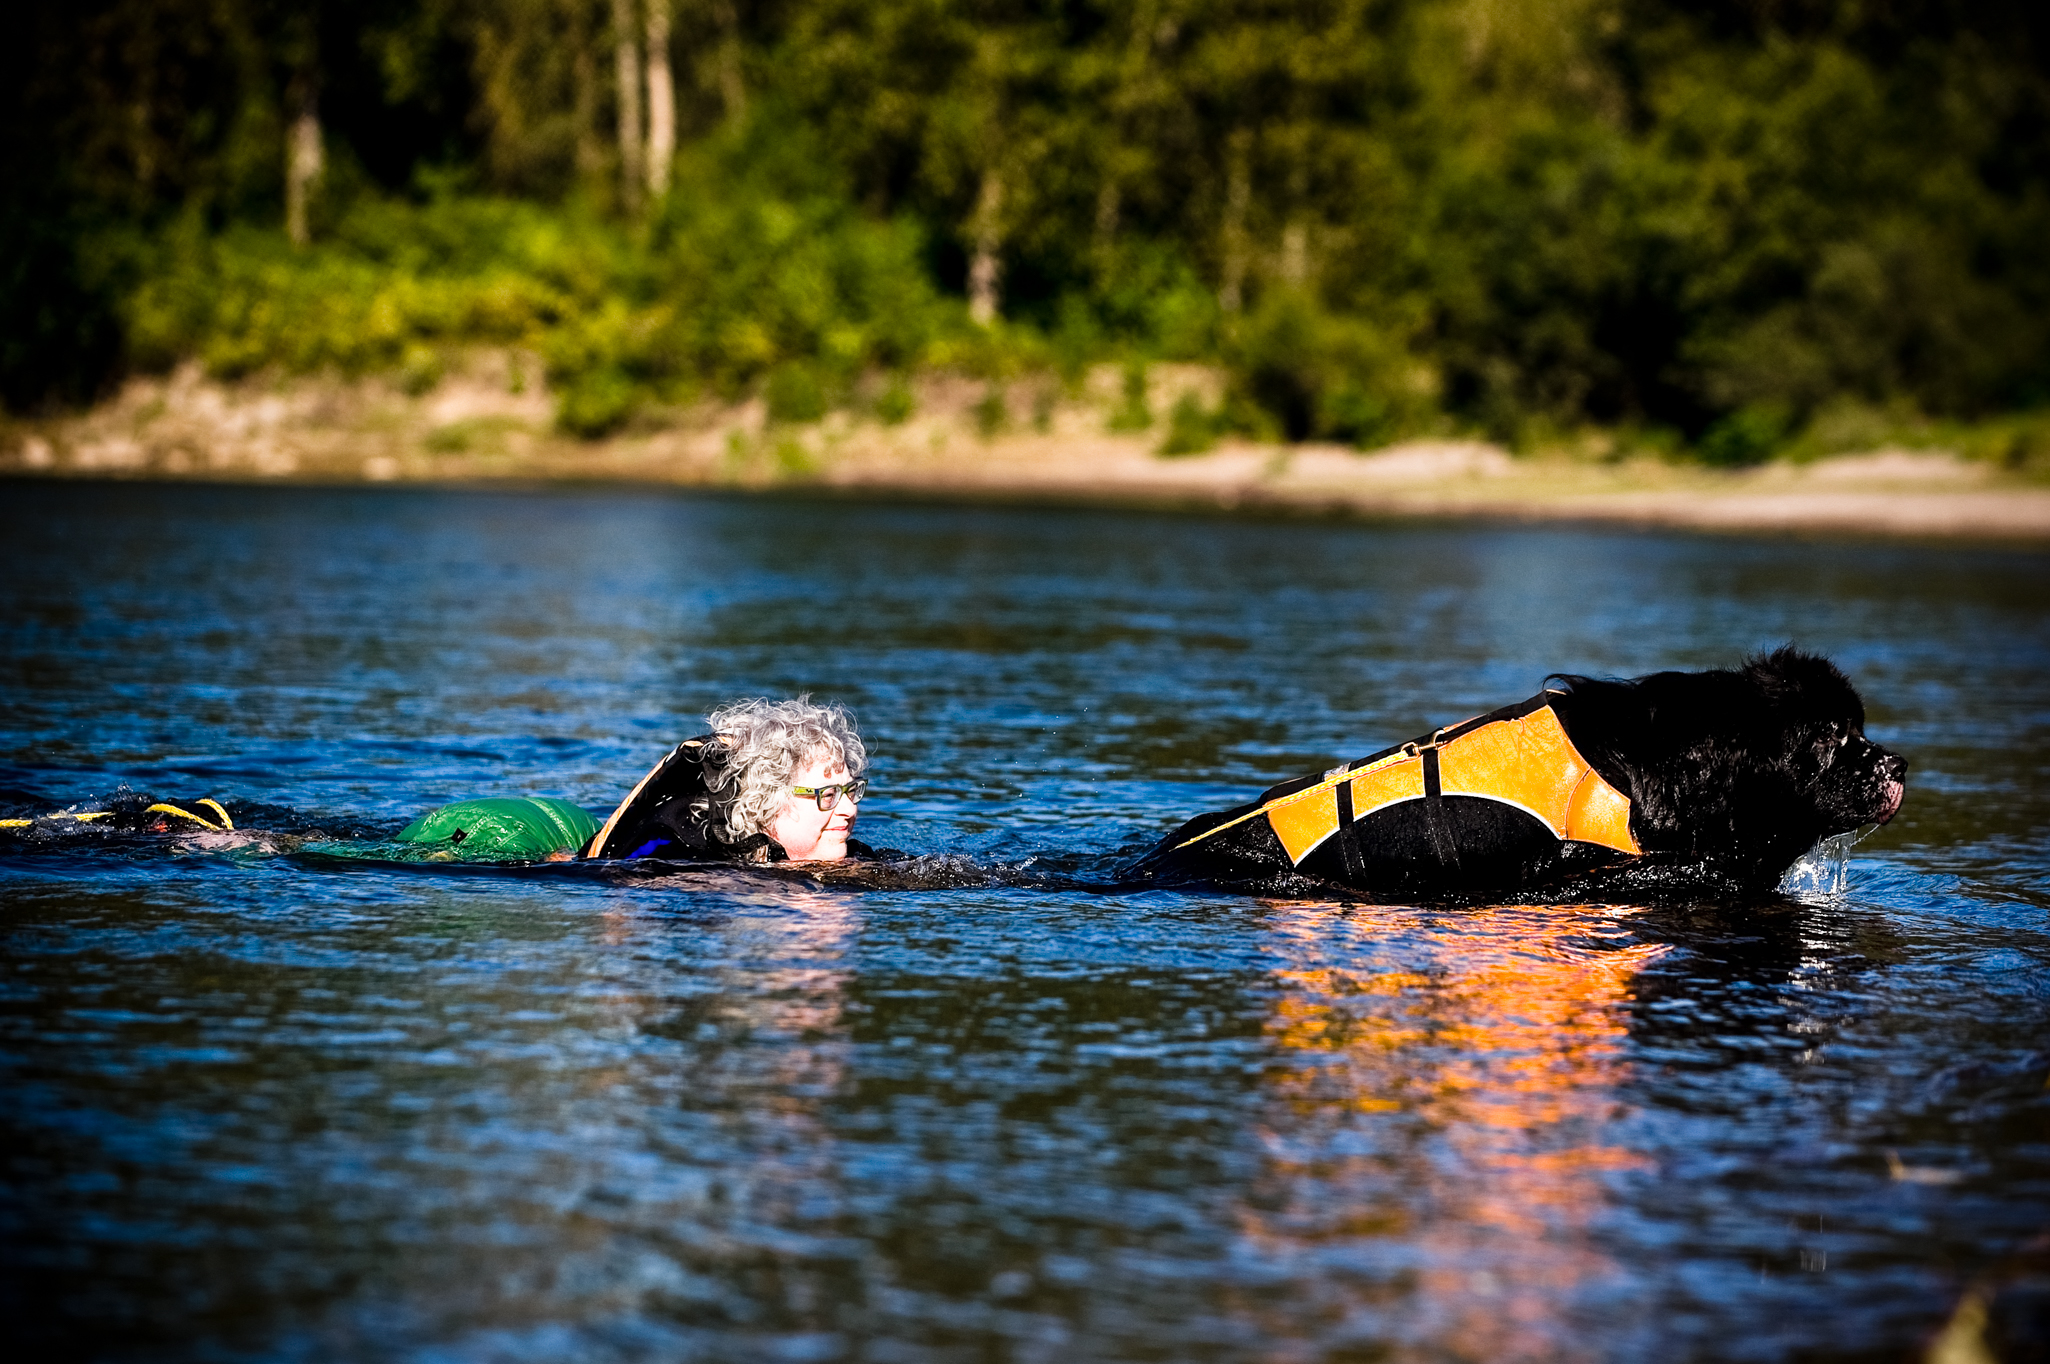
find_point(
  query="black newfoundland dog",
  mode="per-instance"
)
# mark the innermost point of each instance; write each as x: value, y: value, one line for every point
x: 1714, y: 781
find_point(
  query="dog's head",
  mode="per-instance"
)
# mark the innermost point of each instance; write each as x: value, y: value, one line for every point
x: 1847, y: 779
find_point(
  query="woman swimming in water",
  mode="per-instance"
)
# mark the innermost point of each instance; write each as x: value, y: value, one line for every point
x: 773, y: 781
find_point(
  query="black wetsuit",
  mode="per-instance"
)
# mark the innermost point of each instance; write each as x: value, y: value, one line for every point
x: 696, y: 843
x: 674, y: 814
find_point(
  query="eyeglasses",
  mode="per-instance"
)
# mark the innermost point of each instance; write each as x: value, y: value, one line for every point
x: 829, y: 796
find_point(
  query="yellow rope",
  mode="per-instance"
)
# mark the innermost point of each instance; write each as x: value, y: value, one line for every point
x: 183, y: 814
x: 61, y: 814
x: 208, y: 801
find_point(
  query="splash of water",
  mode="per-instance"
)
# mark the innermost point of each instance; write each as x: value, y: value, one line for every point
x: 1824, y: 872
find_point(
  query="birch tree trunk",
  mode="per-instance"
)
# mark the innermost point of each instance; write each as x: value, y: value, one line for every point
x: 661, y: 101
x: 1238, y: 193
x: 627, y: 53
x: 985, y: 268
x: 303, y: 162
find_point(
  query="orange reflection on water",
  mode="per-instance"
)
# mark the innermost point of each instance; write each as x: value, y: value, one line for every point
x: 1447, y: 1093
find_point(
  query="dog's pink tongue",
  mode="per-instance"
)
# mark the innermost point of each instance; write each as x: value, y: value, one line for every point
x: 1895, y: 791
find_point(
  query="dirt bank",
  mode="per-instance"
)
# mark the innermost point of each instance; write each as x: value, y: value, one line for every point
x: 490, y: 423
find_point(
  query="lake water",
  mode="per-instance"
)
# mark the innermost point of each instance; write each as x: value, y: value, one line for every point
x: 259, y: 1106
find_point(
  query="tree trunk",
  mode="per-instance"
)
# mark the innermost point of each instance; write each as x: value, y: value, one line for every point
x: 1109, y: 203
x: 302, y: 169
x: 1238, y: 192
x: 628, y: 55
x: 1295, y: 233
x: 985, y: 269
x: 661, y: 100
x: 583, y: 67
x: 1295, y: 254
x: 731, y: 91
x: 1110, y: 196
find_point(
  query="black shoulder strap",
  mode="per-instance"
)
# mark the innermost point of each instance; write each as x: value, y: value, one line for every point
x: 1434, y: 813
x: 680, y: 775
x: 1349, y: 835
x: 1443, y: 844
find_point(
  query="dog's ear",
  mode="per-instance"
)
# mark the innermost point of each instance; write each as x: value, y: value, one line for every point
x: 1806, y: 683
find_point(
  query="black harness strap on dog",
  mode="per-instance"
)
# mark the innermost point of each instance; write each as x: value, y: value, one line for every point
x: 1434, y: 812
x: 1349, y: 834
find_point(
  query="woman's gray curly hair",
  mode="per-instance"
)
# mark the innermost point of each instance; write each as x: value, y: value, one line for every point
x: 766, y: 742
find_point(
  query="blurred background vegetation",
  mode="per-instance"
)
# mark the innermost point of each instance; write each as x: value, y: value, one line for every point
x: 1721, y: 227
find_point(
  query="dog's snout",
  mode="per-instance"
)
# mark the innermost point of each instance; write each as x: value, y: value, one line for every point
x: 1893, y: 785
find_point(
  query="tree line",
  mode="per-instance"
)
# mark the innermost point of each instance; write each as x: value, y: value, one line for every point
x: 1714, y: 221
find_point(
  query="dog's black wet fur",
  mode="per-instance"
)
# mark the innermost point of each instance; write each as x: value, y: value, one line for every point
x: 1732, y: 775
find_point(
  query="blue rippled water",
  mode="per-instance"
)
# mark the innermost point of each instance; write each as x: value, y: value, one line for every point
x: 257, y: 1106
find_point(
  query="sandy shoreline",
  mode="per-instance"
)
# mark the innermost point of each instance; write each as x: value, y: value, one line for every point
x: 482, y: 427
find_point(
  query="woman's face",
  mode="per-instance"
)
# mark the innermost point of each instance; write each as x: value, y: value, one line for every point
x: 807, y: 833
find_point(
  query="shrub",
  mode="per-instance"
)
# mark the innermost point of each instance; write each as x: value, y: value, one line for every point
x: 992, y: 413
x: 1132, y: 413
x: 759, y: 271
x: 595, y: 403
x: 794, y: 394
x: 1190, y: 429
x: 1750, y: 435
x: 894, y: 404
x: 1317, y: 375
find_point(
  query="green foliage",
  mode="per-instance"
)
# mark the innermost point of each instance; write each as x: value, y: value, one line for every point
x: 420, y: 369
x: 1323, y: 376
x: 792, y: 458
x: 61, y: 280
x: 595, y: 401
x: 2021, y: 444
x: 2018, y: 441
x: 992, y: 412
x: 741, y: 280
x: 393, y: 277
x: 1724, y: 222
x: 1151, y: 297
x: 473, y: 435
x: 1750, y: 435
x: 1132, y: 413
x: 894, y: 405
x: 1190, y: 429
x: 1077, y: 339
x: 794, y: 394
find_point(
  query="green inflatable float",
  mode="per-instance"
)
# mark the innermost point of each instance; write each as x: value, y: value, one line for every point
x: 517, y: 828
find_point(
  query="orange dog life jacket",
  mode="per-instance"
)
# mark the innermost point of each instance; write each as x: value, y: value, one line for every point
x: 1520, y: 759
